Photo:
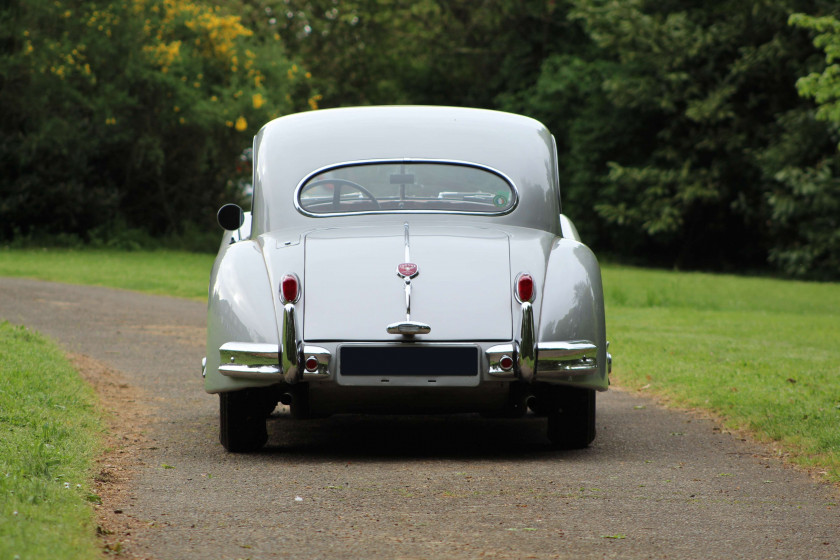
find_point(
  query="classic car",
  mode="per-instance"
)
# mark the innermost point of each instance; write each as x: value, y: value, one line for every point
x: 404, y: 260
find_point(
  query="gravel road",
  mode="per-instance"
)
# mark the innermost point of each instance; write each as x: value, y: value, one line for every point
x: 655, y: 484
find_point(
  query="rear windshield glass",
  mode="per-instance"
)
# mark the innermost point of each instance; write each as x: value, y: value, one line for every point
x: 407, y: 187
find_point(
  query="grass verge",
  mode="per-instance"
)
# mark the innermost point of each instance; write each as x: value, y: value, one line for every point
x: 173, y: 273
x: 762, y: 354
x: 49, y: 436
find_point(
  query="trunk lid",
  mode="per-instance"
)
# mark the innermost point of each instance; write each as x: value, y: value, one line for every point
x: 352, y: 291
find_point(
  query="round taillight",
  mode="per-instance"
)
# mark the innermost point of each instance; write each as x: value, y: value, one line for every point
x: 289, y: 288
x: 525, y: 288
x: 506, y: 363
x: 311, y: 363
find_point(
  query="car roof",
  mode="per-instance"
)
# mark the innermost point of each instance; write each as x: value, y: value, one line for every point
x: 291, y: 148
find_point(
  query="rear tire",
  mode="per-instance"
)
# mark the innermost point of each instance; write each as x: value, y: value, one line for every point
x: 242, y: 420
x: 571, y: 417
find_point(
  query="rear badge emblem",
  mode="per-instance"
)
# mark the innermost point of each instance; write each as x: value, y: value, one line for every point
x: 407, y: 270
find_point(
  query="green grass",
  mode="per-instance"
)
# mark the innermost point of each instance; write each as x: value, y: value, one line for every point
x: 172, y: 273
x: 49, y: 436
x: 762, y: 354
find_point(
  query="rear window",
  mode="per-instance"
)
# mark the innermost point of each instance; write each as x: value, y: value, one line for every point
x: 406, y: 187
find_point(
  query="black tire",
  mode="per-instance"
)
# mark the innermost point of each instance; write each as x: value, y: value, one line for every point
x: 571, y: 417
x: 242, y: 421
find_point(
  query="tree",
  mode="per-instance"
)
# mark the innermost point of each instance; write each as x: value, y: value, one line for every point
x: 443, y: 52
x: 128, y: 112
x: 806, y: 203
x: 671, y: 122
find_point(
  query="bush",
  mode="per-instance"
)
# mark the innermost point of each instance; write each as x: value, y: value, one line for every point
x: 131, y: 111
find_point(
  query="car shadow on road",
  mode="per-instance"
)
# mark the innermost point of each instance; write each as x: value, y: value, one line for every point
x: 383, y: 437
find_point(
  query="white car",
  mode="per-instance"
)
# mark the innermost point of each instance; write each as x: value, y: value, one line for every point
x: 405, y: 260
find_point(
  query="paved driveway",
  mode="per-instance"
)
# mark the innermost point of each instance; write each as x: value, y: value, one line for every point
x: 655, y: 484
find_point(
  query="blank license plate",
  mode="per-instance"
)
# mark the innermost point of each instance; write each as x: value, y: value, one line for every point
x: 424, y: 361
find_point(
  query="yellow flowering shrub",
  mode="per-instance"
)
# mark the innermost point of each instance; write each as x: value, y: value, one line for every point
x: 180, y: 33
x: 136, y: 110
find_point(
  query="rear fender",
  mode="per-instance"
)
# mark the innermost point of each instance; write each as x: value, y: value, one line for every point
x: 573, y: 306
x: 240, y: 309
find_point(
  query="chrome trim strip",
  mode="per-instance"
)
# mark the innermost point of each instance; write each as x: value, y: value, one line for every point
x: 408, y: 299
x: 251, y: 372
x: 249, y: 360
x: 290, y: 354
x: 408, y: 327
x: 568, y: 358
x: 407, y: 244
x: 494, y: 356
x: 507, y: 179
x: 407, y: 279
x: 525, y: 360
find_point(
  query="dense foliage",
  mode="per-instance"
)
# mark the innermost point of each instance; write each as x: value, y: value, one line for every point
x: 128, y: 113
x: 689, y: 113
x: 807, y: 204
x: 696, y: 134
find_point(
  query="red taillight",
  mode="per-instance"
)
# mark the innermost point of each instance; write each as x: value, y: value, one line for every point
x: 311, y: 364
x: 525, y: 288
x: 289, y: 288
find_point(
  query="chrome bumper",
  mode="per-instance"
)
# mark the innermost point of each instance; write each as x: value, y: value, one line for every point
x: 543, y: 361
x: 249, y: 359
x: 525, y: 359
x: 551, y: 361
x: 254, y: 360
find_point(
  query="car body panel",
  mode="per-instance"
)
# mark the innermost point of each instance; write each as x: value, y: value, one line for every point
x: 462, y: 289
